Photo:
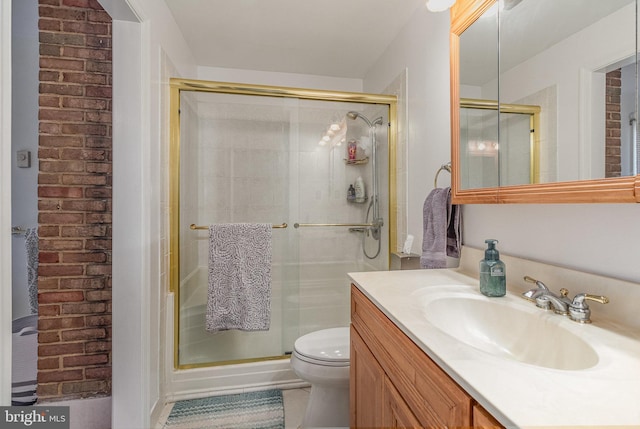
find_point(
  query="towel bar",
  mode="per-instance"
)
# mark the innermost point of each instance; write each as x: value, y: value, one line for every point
x: 194, y: 226
x: 299, y: 225
x: 446, y: 167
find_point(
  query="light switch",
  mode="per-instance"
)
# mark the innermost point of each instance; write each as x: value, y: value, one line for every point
x: 24, y: 158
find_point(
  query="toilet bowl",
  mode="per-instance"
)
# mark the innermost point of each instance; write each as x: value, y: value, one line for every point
x: 322, y: 359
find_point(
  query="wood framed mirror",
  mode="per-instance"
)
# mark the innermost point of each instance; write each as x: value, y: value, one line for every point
x: 561, y: 172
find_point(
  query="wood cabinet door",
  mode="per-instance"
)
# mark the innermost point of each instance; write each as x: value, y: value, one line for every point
x: 366, y: 386
x: 483, y: 420
x: 396, y: 412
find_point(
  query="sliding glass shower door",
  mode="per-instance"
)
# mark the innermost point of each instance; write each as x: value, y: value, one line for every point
x: 282, y: 161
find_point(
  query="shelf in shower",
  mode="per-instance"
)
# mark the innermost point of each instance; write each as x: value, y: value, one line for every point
x: 356, y: 161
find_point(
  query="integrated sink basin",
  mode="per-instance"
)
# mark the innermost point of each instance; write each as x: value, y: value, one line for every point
x: 507, y: 327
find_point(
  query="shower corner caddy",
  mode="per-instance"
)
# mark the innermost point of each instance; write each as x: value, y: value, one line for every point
x: 356, y: 161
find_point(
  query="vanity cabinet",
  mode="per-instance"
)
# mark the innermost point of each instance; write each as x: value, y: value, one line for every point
x: 395, y: 384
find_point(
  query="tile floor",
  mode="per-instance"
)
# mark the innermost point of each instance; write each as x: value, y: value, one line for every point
x: 295, y: 404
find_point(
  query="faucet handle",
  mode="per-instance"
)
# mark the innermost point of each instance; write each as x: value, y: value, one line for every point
x: 537, y: 282
x: 579, y: 300
x: 579, y: 311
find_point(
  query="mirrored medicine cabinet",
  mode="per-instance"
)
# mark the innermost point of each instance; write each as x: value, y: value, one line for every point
x: 544, y: 98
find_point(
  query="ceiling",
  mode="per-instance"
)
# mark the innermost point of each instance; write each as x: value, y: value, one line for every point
x: 339, y: 38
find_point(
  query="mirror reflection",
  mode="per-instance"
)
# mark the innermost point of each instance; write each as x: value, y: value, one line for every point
x: 574, y: 62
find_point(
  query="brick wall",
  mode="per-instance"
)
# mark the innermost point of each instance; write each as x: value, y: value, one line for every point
x: 613, y: 161
x: 74, y: 200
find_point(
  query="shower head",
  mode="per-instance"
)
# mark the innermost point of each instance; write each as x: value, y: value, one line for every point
x: 354, y: 115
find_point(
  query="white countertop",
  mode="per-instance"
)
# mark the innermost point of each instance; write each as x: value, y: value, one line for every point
x: 515, y: 393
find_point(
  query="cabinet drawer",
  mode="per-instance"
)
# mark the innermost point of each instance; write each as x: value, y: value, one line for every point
x: 434, y: 398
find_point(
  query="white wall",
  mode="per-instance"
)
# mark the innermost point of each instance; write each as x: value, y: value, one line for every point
x: 596, y: 238
x: 146, y: 55
x: 422, y: 47
x: 5, y: 202
x: 24, y: 136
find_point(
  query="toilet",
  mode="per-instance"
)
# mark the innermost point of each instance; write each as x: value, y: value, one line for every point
x: 322, y: 359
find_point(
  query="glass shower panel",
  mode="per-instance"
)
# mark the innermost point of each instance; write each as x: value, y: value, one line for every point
x: 478, y: 148
x: 255, y: 159
x: 234, y: 168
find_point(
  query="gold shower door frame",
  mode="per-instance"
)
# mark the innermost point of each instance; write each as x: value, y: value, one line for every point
x: 534, y: 127
x: 178, y: 85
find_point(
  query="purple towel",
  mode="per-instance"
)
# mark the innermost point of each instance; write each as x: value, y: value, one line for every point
x: 441, y: 234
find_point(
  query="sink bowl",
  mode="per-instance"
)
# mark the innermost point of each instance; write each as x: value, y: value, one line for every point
x: 507, y: 328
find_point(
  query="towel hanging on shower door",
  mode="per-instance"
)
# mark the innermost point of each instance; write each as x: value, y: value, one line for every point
x: 239, y: 289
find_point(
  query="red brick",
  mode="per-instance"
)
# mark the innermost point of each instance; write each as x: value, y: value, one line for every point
x: 62, y: 166
x: 98, y: 373
x: 98, y: 91
x: 48, y: 153
x: 85, y: 103
x: 48, y: 337
x: 85, y: 205
x: 62, y: 13
x: 60, y: 323
x: 60, y: 89
x: 61, y: 141
x: 60, y: 115
x: 74, y: 179
x: 49, y: 363
x: 61, y: 244
x: 50, y: 376
x: 91, y: 129
x: 83, y: 154
x: 85, y: 27
x: 58, y: 270
x: 85, y: 308
x: 47, y: 389
x: 60, y: 218
x: 82, y: 283
x: 85, y: 360
x: 60, y: 349
x: 98, y: 346
x: 70, y: 257
x: 98, y: 66
x: 99, y: 320
x: 62, y: 38
x: 47, y: 310
x: 98, y: 218
x: 87, y: 53
x: 84, y: 231
x: 49, y: 128
x: 60, y: 297
x: 85, y: 78
x: 90, y: 387
x: 49, y: 283
x: 97, y: 270
x: 49, y: 179
x: 60, y: 192
x: 50, y: 76
x: 45, y: 24
x: 97, y: 193
x: 99, y: 295
x: 48, y: 231
x: 84, y: 334
x: 48, y: 257
x: 49, y: 101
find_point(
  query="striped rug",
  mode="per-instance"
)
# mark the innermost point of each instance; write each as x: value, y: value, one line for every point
x: 252, y: 410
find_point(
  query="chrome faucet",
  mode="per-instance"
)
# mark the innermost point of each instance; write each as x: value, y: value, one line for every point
x: 532, y: 294
x: 577, y: 309
x: 560, y: 303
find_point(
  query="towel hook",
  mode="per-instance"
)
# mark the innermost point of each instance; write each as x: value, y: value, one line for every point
x: 446, y: 167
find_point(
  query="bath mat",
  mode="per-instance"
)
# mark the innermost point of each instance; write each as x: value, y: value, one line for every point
x: 252, y: 410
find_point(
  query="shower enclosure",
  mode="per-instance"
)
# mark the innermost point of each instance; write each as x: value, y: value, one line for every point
x: 257, y: 154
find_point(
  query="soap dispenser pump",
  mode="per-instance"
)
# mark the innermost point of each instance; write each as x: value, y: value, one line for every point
x: 493, y: 273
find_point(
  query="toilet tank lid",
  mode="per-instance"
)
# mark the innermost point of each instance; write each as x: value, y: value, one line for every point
x: 327, y: 344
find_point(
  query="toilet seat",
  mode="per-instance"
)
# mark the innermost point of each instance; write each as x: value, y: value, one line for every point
x: 328, y: 347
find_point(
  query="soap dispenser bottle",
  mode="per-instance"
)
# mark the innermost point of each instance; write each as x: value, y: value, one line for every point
x: 493, y: 273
